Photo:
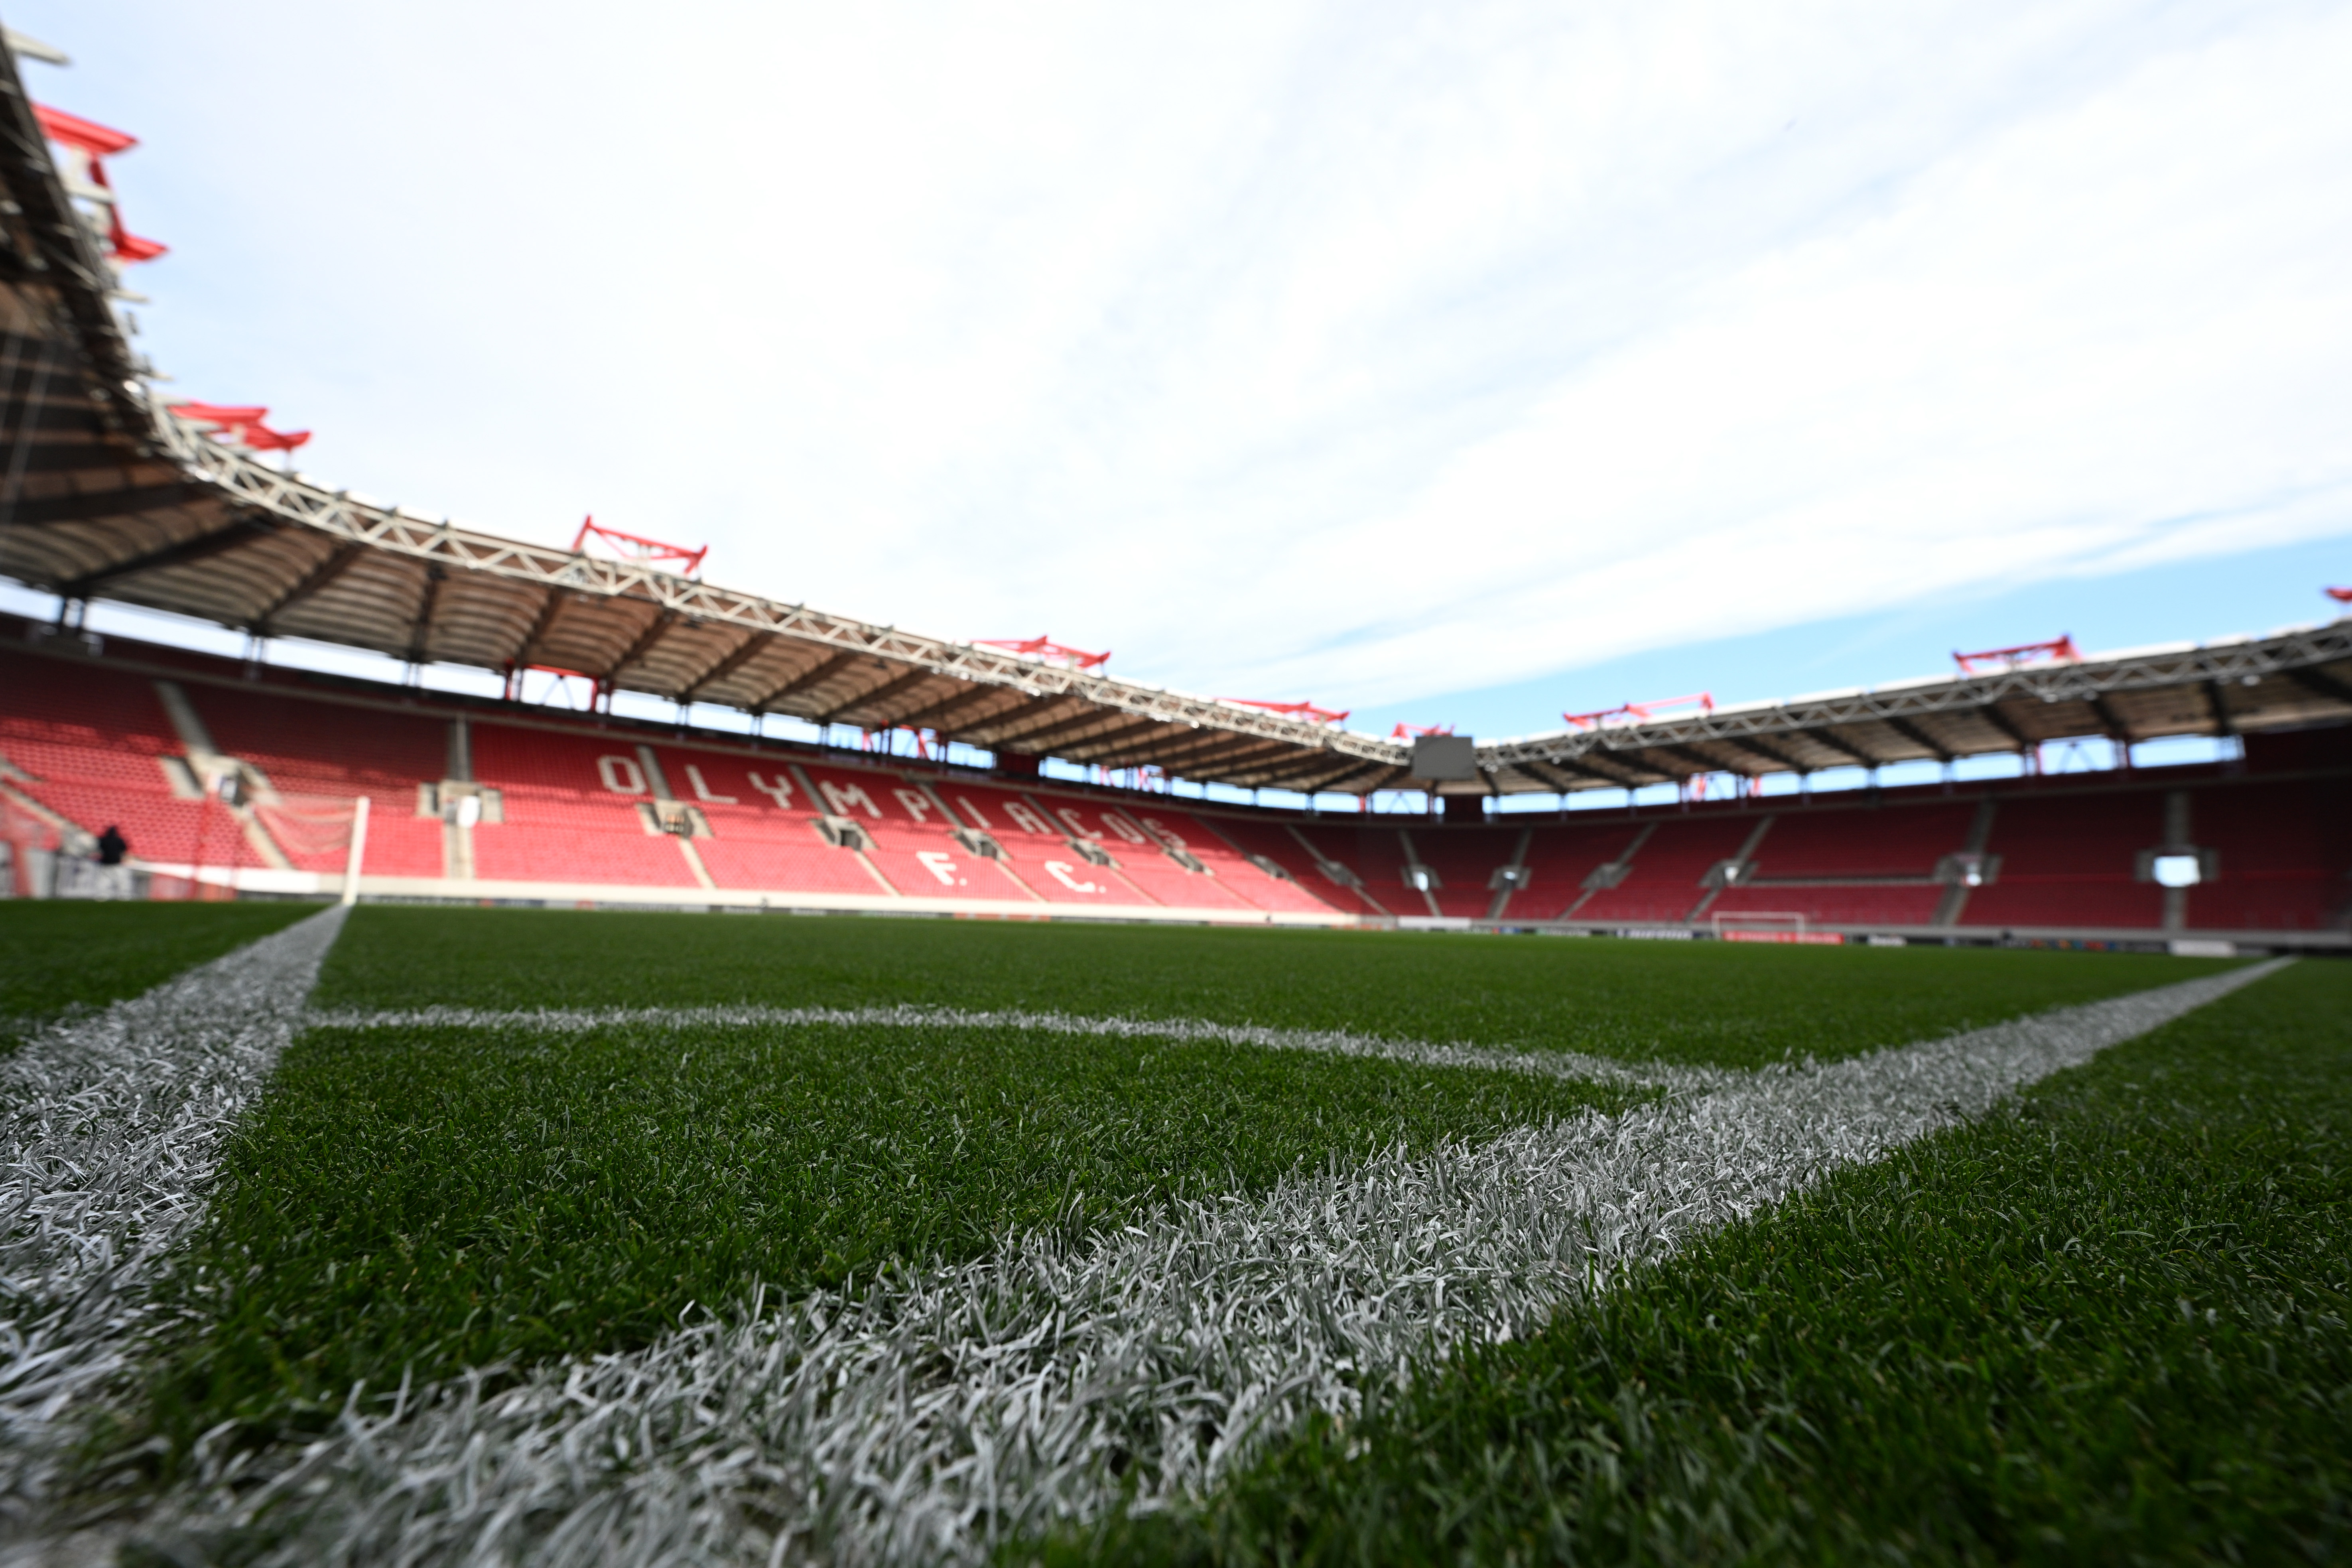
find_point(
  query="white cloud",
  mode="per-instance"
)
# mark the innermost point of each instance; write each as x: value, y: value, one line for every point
x: 1348, y: 352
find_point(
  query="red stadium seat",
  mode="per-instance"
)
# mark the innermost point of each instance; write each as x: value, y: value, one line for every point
x: 1562, y: 856
x: 336, y: 751
x: 1203, y: 840
x: 2070, y: 860
x: 571, y: 811
x: 1038, y: 847
x: 1663, y: 885
x: 913, y: 838
x: 1277, y: 844
x: 89, y: 741
x: 2283, y: 853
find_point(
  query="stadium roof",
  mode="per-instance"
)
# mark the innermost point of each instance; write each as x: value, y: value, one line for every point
x: 104, y: 494
x: 2292, y: 678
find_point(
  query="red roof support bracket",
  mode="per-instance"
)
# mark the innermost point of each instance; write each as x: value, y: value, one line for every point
x: 242, y: 423
x: 1641, y: 712
x: 83, y: 135
x: 263, y: 439
x: 1292, y: 710
x: 1046, y: 650
x: 231, y: 415
x: 630, y: 547
x: 2059, y: 649
x: 2341, y: 596
x: 96, y: 143
x: 1404, y: 732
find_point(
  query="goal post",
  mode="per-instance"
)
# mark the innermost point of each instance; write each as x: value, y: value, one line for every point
x: 322, y: 834
x: 1769, y: 925
x: 358, y: 855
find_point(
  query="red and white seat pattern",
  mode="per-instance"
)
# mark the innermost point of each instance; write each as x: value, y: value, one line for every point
x: 88, y: 740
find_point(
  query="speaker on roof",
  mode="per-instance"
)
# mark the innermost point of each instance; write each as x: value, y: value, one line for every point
x: 1440, y: 758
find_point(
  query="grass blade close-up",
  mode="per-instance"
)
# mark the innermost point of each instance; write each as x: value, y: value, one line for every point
x: 631, y: 1238
x: 420, y: 1201
x: 64, y: 959
x: 953, y: 1267
x: 2107, y: 1323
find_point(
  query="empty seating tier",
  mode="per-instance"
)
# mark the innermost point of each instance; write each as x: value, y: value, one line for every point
x: 570, y: 809
x: 1276, y: 843
x: 2281, y: 853
x: 89, y: 738
x: 2072, y: 860
x: 1559, y: 859
x: 90, y: 744
x: 1848, y: 905
x: 1206, y: 841
x: 1463, y: 861
x: 324, y: 754
x: 1663, y: 884
x: 1822, y: 843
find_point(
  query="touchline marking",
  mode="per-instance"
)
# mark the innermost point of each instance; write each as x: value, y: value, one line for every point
x: 109, y: 1130
x: 931, y: 1417
x: 1568, y: 1064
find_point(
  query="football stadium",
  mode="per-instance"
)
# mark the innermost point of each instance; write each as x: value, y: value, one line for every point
x: 1104, y: 1136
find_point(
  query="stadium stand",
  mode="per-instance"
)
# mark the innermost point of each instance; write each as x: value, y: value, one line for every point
x: 570, y: 811
x: 1663, y: 883
x: 763, y: 831
x: 580, y: 807
x: 1051, y: 858
x: 1874, y: 843
x: 1559, y: 860
x: 1466, y: 860
x: 1874, y: 865
x: 1281, y: 846
x: 913, y: 842
x: 1144, y: 860
x: 2279, y: 853
x: 2070, y: 860
x: 1847, y: 905
x: 1376, y: 855
x: 89, y: 743
x: 331, y: 753
x: 1202, y: 838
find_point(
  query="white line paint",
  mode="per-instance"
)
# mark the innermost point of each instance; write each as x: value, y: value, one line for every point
x: 925, y: 1418
x: 1570, y: 1065
x: 109, y: 1132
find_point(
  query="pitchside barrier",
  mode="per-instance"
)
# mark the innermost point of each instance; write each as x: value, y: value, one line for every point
x: 1771, y: 925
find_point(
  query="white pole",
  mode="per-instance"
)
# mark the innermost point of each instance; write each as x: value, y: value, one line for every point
x: 359, y: 852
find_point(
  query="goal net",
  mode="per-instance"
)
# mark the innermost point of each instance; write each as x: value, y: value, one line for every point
x: 315, y: 831
x: 1770, y: 925
x: 323, y: 835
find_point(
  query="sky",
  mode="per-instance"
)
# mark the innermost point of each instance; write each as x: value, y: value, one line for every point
x: 1456, y: 363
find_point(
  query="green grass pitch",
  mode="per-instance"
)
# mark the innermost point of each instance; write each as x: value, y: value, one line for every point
x: 58, y: 959
x: 2109, y: 1327
x: 2106, y: 1322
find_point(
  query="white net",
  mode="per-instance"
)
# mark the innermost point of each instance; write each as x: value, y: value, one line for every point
x: 310, y: 828
x: 1760, y: 925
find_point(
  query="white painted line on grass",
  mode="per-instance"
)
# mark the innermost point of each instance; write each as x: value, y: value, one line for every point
x: 1570, y: 1065
x: 109, y: 1130
x: 926, y: 1418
